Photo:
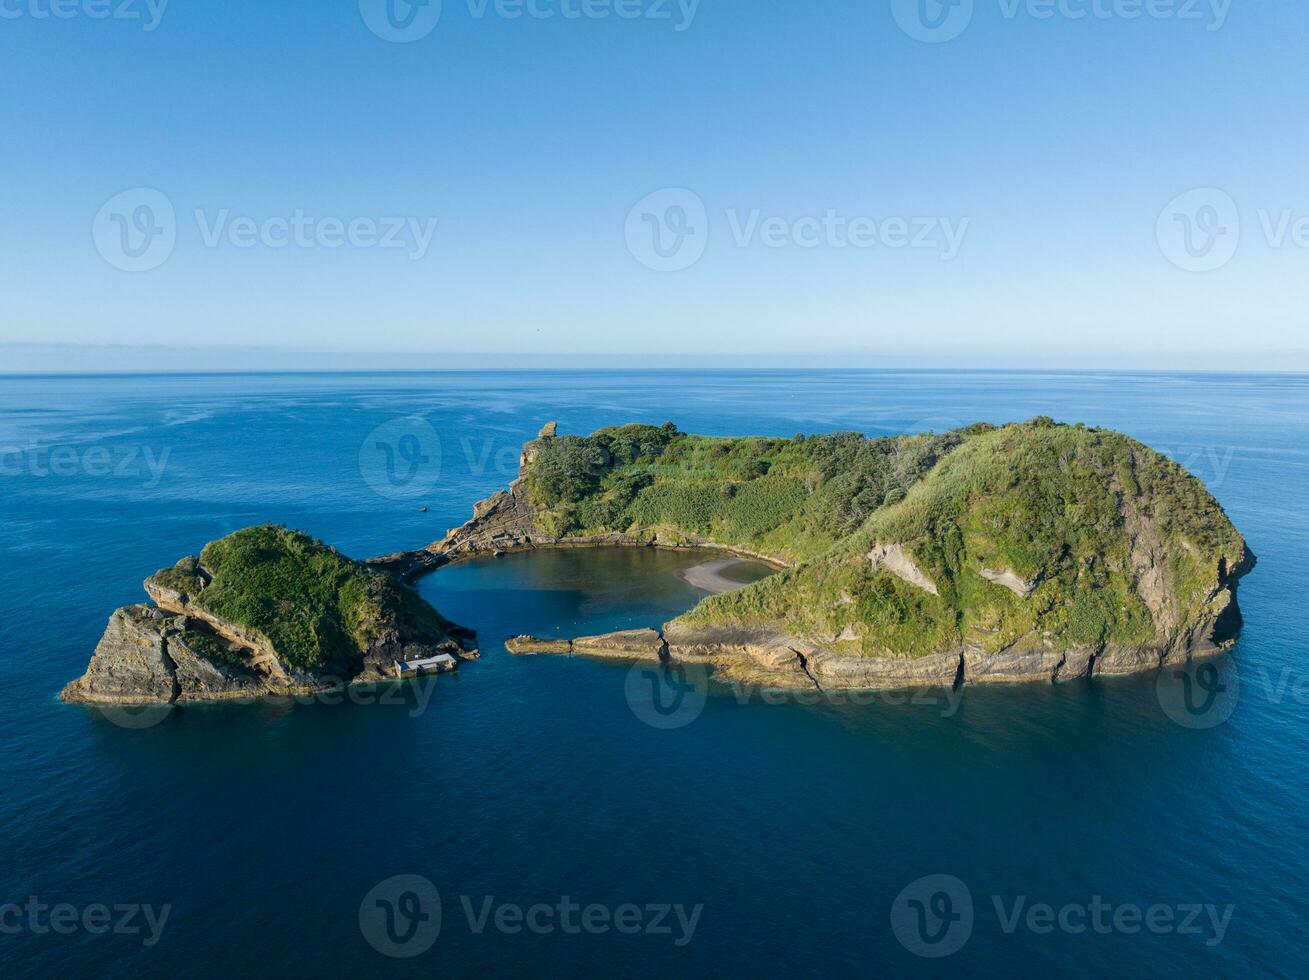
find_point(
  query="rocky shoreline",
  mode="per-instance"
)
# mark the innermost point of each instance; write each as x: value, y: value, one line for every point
x: 774, y: 659
x: 177, y: 650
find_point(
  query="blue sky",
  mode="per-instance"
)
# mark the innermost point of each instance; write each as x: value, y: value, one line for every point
x: 1029, y: 159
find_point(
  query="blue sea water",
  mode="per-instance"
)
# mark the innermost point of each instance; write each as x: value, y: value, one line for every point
x: 793, y: 827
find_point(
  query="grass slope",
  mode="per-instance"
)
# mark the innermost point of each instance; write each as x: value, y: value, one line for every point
x: 315, y: 606
x: 1061, y: 505
x: 791, y: 498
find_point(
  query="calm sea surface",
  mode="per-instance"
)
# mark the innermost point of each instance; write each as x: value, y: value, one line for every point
x: 784, y: 831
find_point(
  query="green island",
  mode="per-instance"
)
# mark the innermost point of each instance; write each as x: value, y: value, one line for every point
x: 1018, y: 552
x: 1024, y: 552
x: 266, y: 610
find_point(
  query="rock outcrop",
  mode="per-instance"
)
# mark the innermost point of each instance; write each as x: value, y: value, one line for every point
x: 896, y: 560
x: 131, y: 662
x: 189, y: 646
x: 1020, y: 587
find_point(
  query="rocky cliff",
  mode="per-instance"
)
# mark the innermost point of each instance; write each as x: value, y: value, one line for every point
x: 263, y: 611
x: 1032, y: 552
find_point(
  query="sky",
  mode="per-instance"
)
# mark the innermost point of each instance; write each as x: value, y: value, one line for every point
x: 989, y: 182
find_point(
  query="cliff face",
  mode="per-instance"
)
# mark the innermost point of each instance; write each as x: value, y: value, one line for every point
x: 264, y: 611
x: 1020, y: 553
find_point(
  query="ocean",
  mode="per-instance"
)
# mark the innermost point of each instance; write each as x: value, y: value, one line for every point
x: 541, y: 815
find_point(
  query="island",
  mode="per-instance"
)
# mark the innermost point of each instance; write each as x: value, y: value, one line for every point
x: 1025, y: 552
x: 266, y: 611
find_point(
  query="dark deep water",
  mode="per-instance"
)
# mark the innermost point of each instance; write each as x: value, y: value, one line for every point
x: 540, y: 781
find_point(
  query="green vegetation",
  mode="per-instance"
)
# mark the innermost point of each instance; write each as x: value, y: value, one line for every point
x: 182, y: 577
x: 211, y: 647
x: 316, y: 607
x: 793, y: 498
x: 1078, y: 511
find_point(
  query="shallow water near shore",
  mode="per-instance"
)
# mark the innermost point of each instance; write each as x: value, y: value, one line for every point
x: 794, y: 826
x: 569, y: 592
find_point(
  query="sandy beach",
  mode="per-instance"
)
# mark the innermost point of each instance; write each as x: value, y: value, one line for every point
x: 709, y: 577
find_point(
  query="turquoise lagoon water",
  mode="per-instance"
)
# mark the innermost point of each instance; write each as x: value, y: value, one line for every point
x: 793, y: 827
